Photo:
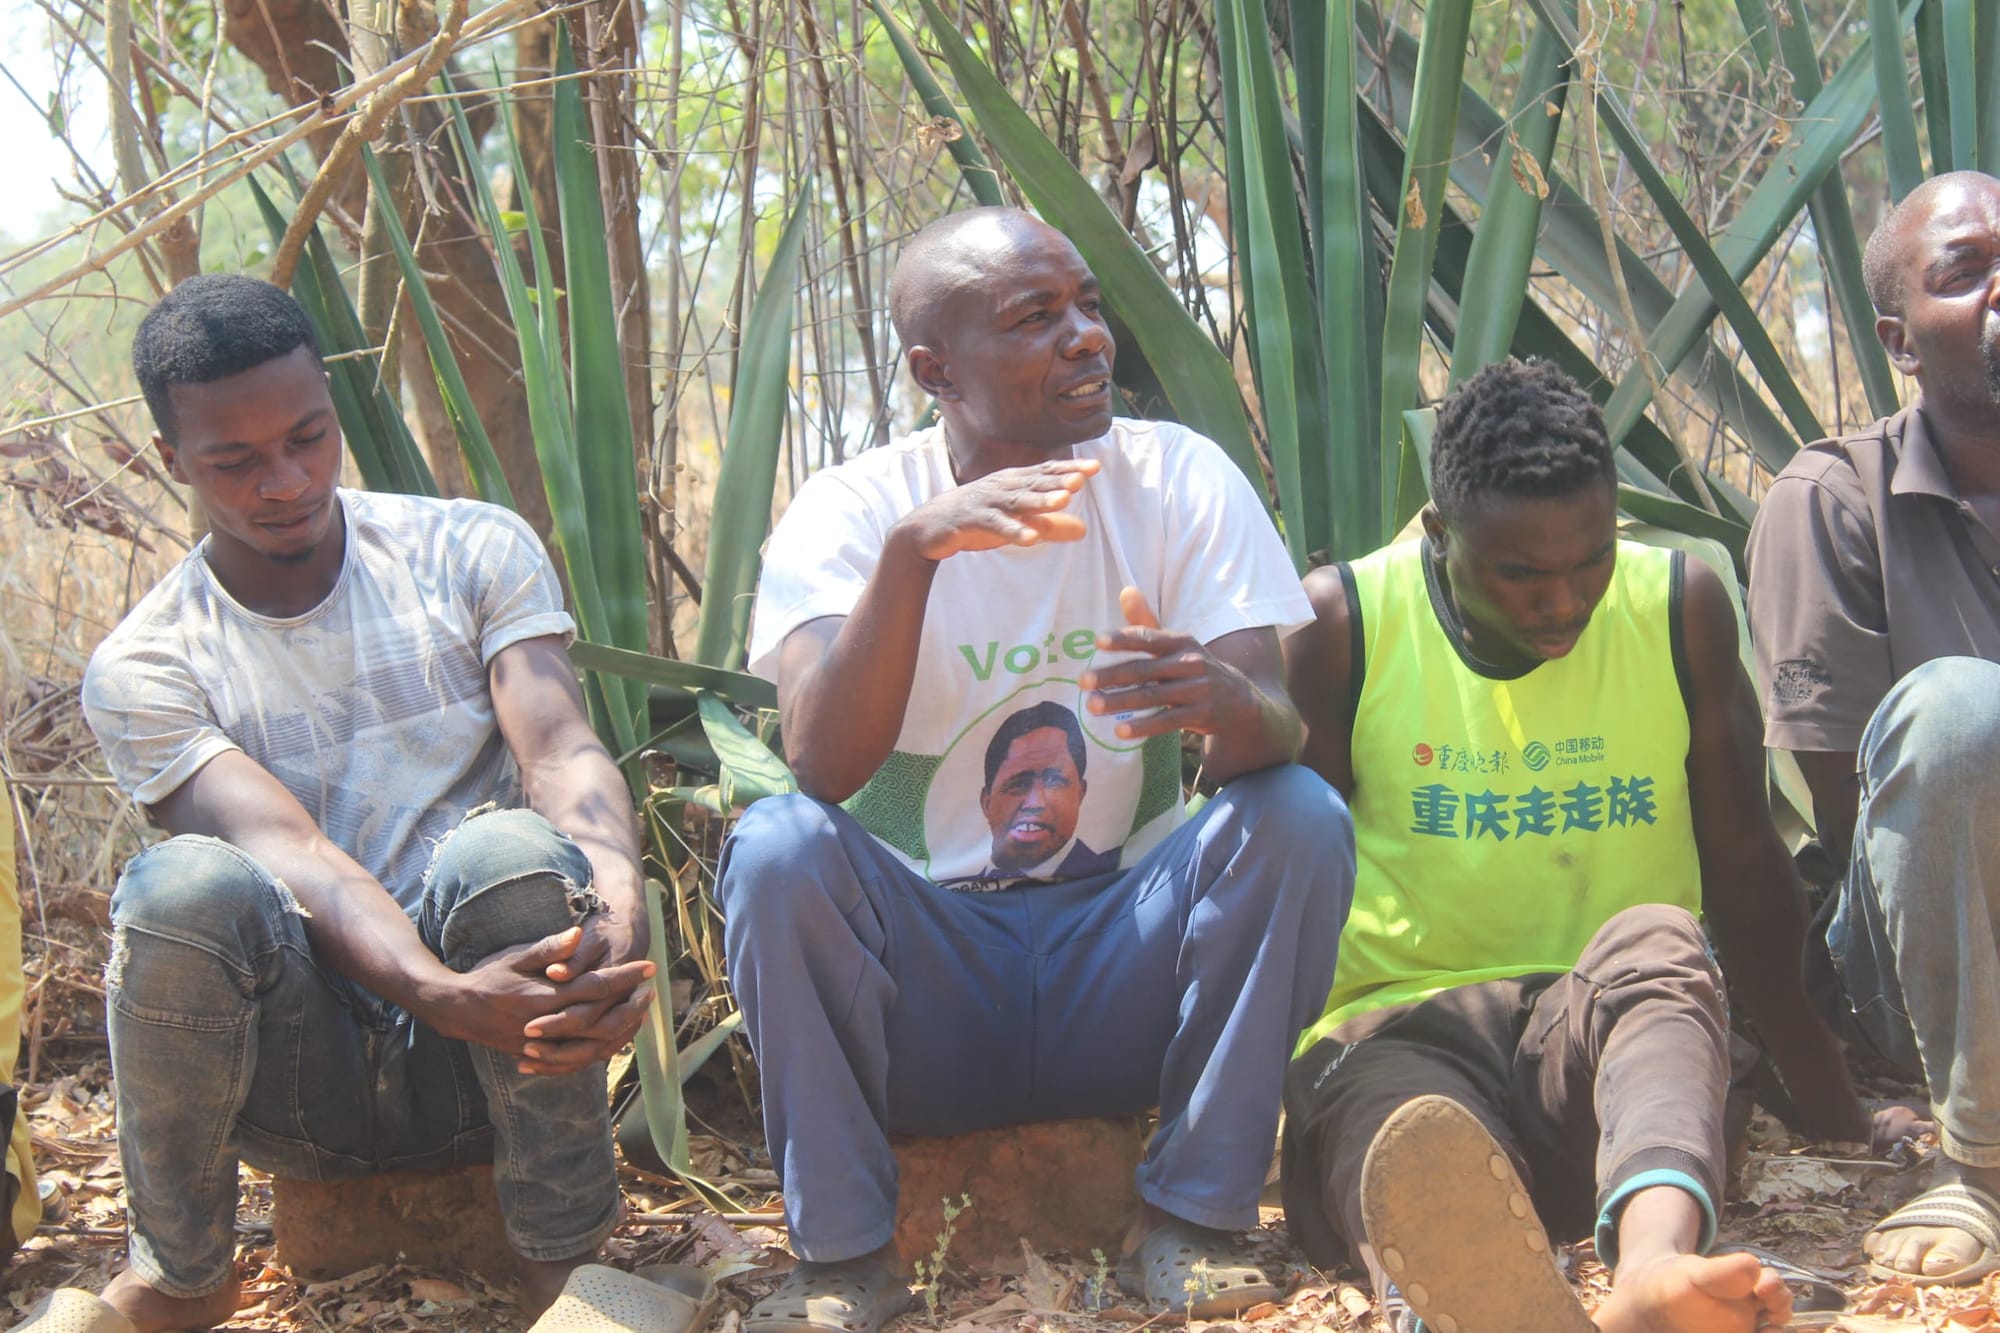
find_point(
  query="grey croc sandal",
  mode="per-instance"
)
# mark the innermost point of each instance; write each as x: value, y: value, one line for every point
x: 1453, y: 1226
x: 1956, y: 1205
x: 1196, y: 1271
x: 852, y: 1296
x: 665, y: 1298
x: 73, y: 1310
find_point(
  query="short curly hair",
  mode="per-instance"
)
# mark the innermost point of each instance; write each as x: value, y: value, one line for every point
x: 212, y: 326
x: 1517, y: 428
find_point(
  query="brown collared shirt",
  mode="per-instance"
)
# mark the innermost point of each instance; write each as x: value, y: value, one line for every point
x: 1865, y: 563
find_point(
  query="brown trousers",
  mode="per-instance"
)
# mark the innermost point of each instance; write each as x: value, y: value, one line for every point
x: 1625, y: 1059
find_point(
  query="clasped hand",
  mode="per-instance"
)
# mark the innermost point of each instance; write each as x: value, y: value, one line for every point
x: 1186, y: 685
x: 559, y: 1003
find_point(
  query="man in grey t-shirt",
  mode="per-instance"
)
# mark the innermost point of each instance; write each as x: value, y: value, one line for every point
x: 403, y: 881
x: 1875, y: 606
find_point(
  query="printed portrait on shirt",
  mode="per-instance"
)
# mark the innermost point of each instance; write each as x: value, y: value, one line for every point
x: 1031, y: 791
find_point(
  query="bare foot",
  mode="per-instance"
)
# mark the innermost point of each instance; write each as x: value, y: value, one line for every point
x: 1928, y: 1251
x: 542, y: 1282
x: 154, y: 1312
x: 1686, y: 1293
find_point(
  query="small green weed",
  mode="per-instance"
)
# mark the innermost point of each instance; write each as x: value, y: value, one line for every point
x: 930, y: 1268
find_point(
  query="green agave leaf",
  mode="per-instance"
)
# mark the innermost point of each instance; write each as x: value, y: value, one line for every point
x: 1832, y: 216
x: 1348, y: 276
x: 660, y: 1074
x: 550, y: 424
x: 1892, y: 85
x: 1503, y: 246
x: 1535, y: 334
x: 696, y: 1053
x: 473, y: 442
x: 1986, y: 28
x: 1961, y: 52
x: 750, y: 771
x: 1198, y: 379
x: 1932, y: 74
x: 980, y: 178
x: 1572, y: 242
x: 1433, y: 117
x: 741, y: 515
x: 603, y: 432
x: 674, y: 675
x: 1277, y: 286
x: 1719, y: 282
x: 1828, y: 125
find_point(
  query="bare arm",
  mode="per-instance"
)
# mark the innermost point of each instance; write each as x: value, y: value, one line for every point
x: 356, y: 928
x: 1254, y: 725
x: 1319, y: 676
x: 570, y: 780
x: 1750, y: 890
x: 844, y: 681
x: 1836, y: 796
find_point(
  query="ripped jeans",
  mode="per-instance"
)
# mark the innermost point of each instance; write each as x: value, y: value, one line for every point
x: 229, y: 1039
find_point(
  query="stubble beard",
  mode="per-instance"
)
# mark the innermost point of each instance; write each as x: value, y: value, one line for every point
x: 1989, y: 353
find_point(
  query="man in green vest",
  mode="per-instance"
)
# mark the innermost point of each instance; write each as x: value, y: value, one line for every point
x: 1551, y: 753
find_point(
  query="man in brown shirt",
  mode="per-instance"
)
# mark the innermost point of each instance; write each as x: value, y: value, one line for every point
x: 1875, y: 606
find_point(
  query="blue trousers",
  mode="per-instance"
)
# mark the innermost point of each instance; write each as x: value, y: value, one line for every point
x: 1916, y: 936
x: 228, y: 1039
x: 878, y: 1002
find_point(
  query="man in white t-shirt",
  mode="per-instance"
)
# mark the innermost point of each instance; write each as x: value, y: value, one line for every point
x: 403, y: 885
x: 951, y: 928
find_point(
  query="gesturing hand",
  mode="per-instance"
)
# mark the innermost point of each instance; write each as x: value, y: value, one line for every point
x: 1188, y: 689
x: 1017, y: 506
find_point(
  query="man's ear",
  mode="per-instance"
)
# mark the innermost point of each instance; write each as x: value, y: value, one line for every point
x: 1434, y: 528
x: 170, y: 457
x: 928, y: 370
x: 1893, y: 335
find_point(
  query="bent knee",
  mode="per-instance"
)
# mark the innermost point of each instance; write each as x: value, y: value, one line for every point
x: 1294, y: 801
x: 1942, y: 721
x: 771, y: 851
x: 191, y: 883
x: 490, y: 846
x: 1654, y: 942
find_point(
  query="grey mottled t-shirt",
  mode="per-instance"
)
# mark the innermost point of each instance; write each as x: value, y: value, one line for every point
x: 372, y: 708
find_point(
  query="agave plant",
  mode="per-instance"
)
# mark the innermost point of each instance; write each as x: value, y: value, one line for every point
x: 1338, y: 206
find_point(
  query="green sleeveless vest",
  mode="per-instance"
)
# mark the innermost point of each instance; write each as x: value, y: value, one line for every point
x: 1498, y: 823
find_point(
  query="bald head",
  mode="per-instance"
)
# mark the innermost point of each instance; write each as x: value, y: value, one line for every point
x: 1886, y: 263
x: 955, y: 254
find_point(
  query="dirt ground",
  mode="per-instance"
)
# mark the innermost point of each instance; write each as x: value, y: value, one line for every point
x: 1806, y: 1204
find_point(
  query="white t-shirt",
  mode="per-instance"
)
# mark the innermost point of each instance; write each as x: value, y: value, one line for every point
x: 372, y: 708
x: 1000, y: 774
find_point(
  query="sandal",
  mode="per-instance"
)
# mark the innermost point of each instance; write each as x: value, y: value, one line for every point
x: 852, y: 1296
x: 665, y: 1298
x: 1957, y: 1205
x: 74, y: 1310
x: 1196, y: 1271
x: 1453, y: 1226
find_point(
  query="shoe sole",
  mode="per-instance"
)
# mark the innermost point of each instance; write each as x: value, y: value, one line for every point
x: 1453, y: 1226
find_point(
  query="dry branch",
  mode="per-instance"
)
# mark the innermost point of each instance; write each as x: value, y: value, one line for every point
x: 311, y: 116
x: 365, y: 126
